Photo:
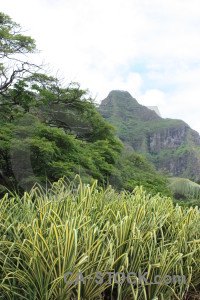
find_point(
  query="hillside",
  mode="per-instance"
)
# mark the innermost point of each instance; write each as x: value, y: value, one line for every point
x: 171, y: 145
x: 133, y: 170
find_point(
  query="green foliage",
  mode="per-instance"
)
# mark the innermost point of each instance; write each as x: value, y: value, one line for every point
x: 12, y: 42
x: 170, y: 145
x: 186, y: 192
x: 133, y: 170
x: 133, y: 121
x: 49, y: 131
x: 81, y: 228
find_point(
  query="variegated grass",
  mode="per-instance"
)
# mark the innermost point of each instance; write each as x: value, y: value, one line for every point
x: 82, y: 228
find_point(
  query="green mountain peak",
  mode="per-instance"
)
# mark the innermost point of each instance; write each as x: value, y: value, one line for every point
x: 170, y: 144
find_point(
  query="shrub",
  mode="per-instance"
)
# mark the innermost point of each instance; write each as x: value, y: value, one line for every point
x: 82, y: 228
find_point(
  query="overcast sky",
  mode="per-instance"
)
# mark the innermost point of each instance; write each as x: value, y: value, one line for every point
x: 149, y: 48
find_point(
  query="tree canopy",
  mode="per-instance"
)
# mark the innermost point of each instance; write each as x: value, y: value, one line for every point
x: 48, y: 130
x: 13, y: 46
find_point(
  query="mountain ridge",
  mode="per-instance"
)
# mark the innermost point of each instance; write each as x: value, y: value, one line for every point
x: 169, y: 144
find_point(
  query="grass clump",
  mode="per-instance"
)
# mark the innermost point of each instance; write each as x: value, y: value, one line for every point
x: 185, y: 191
x: 81, y: 228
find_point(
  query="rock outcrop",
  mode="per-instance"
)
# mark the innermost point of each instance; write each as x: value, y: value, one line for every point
x: 171, y: 145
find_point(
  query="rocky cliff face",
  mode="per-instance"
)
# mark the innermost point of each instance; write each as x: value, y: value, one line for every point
x: 170, y: 138
x: 171, y: 145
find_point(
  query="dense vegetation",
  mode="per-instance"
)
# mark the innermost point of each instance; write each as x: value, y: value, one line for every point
x: 48, y: 130
x: 52, y: 132
x: 185, y: 191
x: 133, y: 170
x: 134, y: 122
x: 170, y: 145
x: 88, y: 229
x: 99, y: 223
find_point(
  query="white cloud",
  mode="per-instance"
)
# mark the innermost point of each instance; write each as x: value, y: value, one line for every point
x: 101, y: 43
x: 153, y: 97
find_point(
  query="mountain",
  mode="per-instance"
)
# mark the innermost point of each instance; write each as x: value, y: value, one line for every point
x: 170, y: 144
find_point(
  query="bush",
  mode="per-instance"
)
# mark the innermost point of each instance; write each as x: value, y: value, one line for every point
x: 81, y: 228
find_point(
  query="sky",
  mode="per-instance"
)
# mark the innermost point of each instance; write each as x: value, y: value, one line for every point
x: 149, y: 48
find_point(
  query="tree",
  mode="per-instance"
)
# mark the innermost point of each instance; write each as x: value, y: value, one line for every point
x: 132, y: 169
x: 13, y: 47
x: 49, y: 131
